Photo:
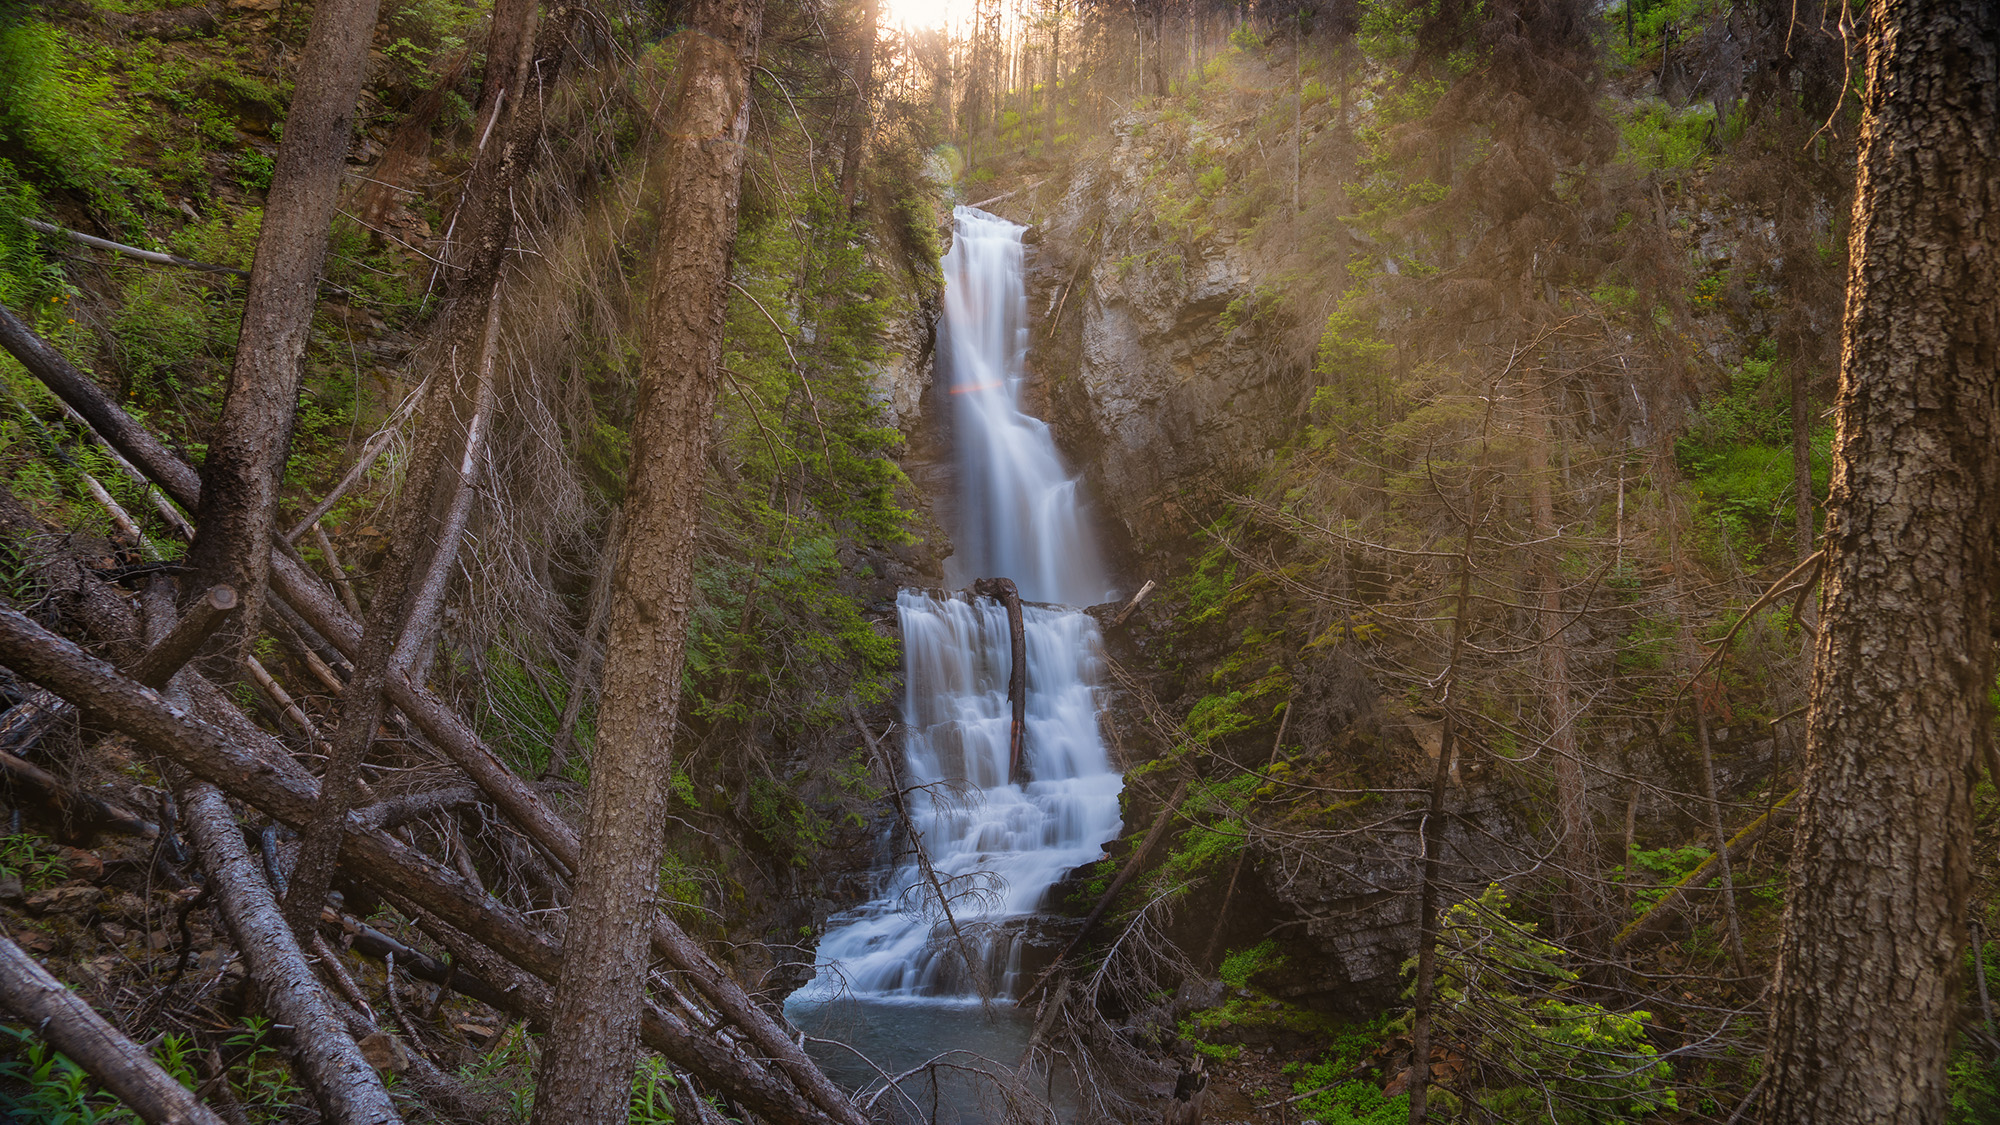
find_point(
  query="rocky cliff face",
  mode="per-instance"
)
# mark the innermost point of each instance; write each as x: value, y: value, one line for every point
x: 1159, y: 399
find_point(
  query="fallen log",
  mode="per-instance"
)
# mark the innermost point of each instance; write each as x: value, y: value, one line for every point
x: 111, y: 422
x: 26, y: 722
x: 525, y: 807
x: 433, y: 717
x: 1662, y: 914
x: 347, y: 1088
x: 200, y: 620
x: 153, y: 256
x: 378, y: 859
x: 79, y: 810
x: 122, y: 1066
x: 1007, y: 594
x: 1133, y: 604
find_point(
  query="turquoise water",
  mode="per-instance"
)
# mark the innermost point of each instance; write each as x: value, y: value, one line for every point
x: 875, y: 1039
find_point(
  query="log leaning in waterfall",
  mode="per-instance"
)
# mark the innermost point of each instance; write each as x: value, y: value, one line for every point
x: 1007, y: 594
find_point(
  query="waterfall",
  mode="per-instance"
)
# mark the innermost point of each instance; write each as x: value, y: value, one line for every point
x: 1018, y: 512
x: 995, y: 846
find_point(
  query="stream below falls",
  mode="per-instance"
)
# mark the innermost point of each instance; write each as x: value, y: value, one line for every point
x: 899, y: 980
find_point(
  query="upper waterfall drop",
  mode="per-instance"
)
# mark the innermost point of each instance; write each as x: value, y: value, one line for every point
x: 1020, y: 515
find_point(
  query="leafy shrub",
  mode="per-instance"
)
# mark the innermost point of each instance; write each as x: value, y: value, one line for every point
x: 1242, y: 964
x: 1663, y: 139
x: 31, y: 859
x: 1502, y: 996
x: 63, y: 116
x: 40, y: 1084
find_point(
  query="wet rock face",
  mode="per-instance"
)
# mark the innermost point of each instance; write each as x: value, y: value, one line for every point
x: 1159, y: 397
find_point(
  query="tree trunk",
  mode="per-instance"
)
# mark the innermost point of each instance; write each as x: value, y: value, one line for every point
x: 245, y: 469
x: 860, y: 115
x: 451, y: 423
x: 507, y: 43
x: 1869, y: 963
x: 1722, y: 864
x: 586, y: 1068
x: 1578, y: 848
x: 1004, y: 591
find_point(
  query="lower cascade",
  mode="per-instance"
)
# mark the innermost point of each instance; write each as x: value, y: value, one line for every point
x: 995, y: 847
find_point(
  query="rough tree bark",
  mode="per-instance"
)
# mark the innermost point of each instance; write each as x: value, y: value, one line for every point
x: 1869, y: 963
x: 586, y: 1068
x: 246, y: 456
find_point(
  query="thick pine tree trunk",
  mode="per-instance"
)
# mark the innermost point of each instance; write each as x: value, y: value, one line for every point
x: 586, y: 1068
x: 1582, y: 919
x: 241, y: 478
x: 1869, y: 965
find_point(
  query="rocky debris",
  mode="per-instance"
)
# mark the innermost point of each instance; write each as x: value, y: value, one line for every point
x: 67, y: 900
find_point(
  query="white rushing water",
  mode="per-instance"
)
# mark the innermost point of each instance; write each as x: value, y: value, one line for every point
x: 996, y: 845
x: 1019, y: 515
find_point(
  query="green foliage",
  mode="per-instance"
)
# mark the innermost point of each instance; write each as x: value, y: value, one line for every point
x: 253, y: 170
x: 1647, y: 645
x: 60, y: 110
x: 1650, y: 20
x: 523, y: 713
x: 1737, y: 454
x: 31, y: 859
x: 425, y: 34
x: 1660, y: 138
x: 1210, y: 587
x: 1216, y: 830
x: 1352, y: 361
x: 505, y: 1072
x: 1351, y: 1103
x: 1665, y: 867
x: 650, y: 1082
x: 264, y: 1083
x: 40, y: 1084
x: 1242, y: 964
x: 778, y: 635
x: 25, y: 275
x: 1336, y: 1098
x: 1502, y: 991
x: 1263, y: 304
